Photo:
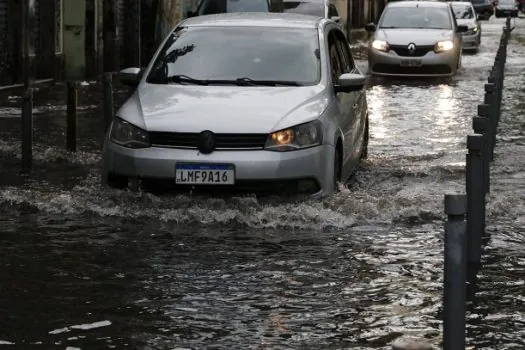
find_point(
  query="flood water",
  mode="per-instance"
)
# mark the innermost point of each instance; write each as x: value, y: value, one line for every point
x: 90, y: 268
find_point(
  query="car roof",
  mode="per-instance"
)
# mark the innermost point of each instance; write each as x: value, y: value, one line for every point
x: 460, y: 3
x: 254, y: 19
x: 418, y: 4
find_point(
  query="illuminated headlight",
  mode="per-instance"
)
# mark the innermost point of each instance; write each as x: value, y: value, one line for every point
x: 297, y: 137
x: 128, y: 135
x: 446, y: 45
x: 474, y: 29
x: 380, y: 45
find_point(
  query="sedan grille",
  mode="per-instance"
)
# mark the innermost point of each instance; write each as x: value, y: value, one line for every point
x: 402, y: 50
x: 222, y: 141
x: 423, y: 70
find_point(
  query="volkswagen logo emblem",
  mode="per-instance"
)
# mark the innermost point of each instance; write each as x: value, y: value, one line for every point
x: 411, y: 48
x: 206, y: 142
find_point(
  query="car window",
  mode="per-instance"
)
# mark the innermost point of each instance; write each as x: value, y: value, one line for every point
x: 332, y: 11
x: 346, y: 57
x: 306, y: 8
x: 463, y: 11
x: 209, y: 7
x: 416, y: 17
x: 229, y: 53
x: 336, y: 66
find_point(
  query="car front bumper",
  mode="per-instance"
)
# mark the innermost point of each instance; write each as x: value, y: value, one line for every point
x: 431, y: 64
x: 252, y: 167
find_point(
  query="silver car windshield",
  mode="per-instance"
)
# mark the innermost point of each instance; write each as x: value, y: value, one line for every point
x: 416, y: 17
x: 218, y: 55
x: 463, y: 11
x: 209, y: 7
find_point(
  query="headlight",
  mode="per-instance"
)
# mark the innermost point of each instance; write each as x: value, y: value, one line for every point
x: 128, y: 135
x: 380, y: 45
x: 446, y: 45
x: 297, y: 137
x: 475, y: 29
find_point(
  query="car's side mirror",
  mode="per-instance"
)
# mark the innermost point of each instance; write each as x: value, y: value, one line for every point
x: 336, y: 19
x: 349, y: 82
x: 462, y: 29
x: 370, y: 27
x: 130, y: 76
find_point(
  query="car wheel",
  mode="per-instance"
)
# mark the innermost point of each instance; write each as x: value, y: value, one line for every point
x: 116, y: 181
x: 364, y: 152
x: 337, y: 169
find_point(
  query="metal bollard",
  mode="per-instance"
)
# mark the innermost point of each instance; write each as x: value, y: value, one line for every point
x: 72, y: 101
x: 27, y: 131
x: 480, y: 125
x: 486, y: 125
x: 475, y: 198
x: 411, y: 343
x: 454, y: 292
x: 108, y: 100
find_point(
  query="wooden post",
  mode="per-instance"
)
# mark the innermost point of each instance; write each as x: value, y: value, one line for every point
x: 27, y: 131
x: 72, y: 97
x: 25, y: 32
x: 48, y: 32
x: 132, y: 34
x: 111, y: 52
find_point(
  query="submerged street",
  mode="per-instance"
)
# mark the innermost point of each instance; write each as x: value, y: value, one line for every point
x: 87, y: 267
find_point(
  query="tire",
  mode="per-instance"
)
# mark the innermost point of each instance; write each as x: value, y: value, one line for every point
x: 116, y: 181
x: 337, y: 169
x: 364, y: 152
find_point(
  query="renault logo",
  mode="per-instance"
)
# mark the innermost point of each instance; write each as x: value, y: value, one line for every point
x: 411, y: 48
x: 206, y: 142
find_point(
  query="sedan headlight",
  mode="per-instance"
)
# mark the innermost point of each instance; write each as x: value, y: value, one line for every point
x: 128, y: 135
x: 446, y: 45
x: 475, y: 29
x: 297, y: 137
x: 380, y: 45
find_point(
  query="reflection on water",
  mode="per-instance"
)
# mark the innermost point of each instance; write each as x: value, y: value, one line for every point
x: 90, y: 268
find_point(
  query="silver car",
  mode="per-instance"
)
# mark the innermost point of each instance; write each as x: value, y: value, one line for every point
x: 249, y: 101
x: 466, y: 15
x: 415, y: 38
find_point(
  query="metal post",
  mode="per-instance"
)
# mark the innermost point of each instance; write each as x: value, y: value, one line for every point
x: 108, y: 100
x: 72, y: 97
x: 480, y: 126
x: 25, y: 32
x: 490, y: 99
x: 486, y: 126
x: 454, y: 292
x: 27, y: 131
x: 475, y: 198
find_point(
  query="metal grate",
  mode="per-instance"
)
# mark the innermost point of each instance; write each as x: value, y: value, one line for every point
x: 222, y: 141
x: 402, y: 50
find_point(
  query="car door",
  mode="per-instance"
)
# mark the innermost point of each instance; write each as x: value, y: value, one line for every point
x: 357, y: 102
x: 344, y: 101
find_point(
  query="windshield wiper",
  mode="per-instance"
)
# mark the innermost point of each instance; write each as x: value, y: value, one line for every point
x: 246, y: 81
x: 182, y: 79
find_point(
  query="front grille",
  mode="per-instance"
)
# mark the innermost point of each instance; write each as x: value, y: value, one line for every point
x: 423, y: 70
x: 402, y: 50
x: 222, y: 141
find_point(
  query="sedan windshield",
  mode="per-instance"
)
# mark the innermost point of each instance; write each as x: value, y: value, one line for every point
x: 463, y: 11
x: 238, y: 55
x: 209, y: 7
x: 416, y: 17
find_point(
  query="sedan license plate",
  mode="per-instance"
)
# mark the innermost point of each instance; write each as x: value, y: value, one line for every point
x: 204, y: 174
x: 411, y: 63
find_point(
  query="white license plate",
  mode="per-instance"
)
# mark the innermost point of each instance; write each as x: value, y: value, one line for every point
x: 411, y: 63
x: 204, y: 174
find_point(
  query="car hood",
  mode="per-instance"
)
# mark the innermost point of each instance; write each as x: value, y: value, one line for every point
x: 506, y: 6
x: 416, y: 36
x: 470, y: 22
x: 222, y: 109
